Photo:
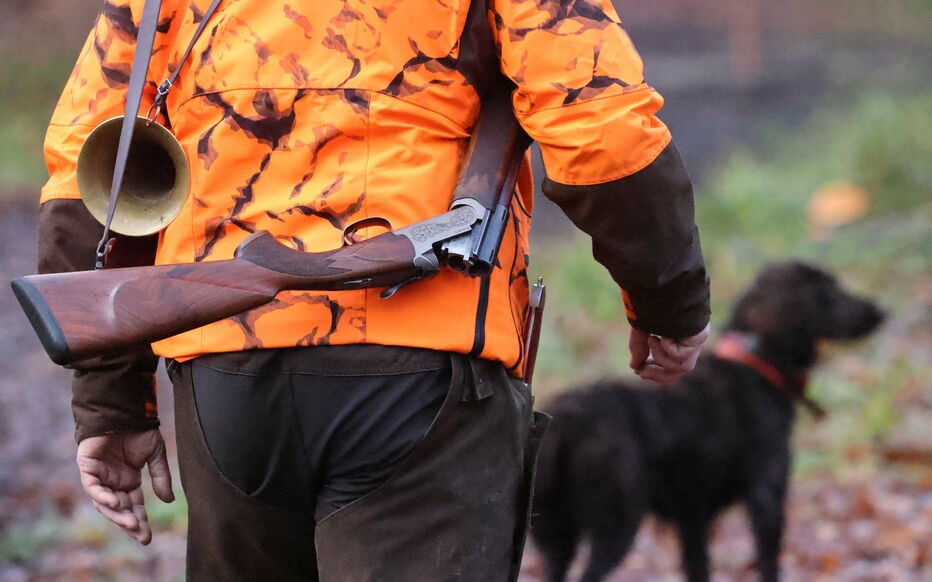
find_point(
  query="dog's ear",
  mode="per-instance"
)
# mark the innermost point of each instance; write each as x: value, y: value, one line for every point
x: 785, y: 299
x: 756, y: 313
x: 773, y: 302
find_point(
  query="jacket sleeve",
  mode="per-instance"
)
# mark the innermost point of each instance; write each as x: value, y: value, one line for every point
x: 611, y: 163
x: 643, y: 232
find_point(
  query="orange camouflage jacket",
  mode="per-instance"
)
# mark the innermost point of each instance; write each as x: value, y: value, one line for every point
x: 302, y: 118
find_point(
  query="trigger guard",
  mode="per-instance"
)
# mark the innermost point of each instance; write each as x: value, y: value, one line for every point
x: 349, y: 233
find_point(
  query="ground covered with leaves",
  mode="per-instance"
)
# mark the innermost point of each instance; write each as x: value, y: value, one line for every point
x: 878, y: 530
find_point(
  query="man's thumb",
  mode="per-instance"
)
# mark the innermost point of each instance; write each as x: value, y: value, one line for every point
x: 161, y: 476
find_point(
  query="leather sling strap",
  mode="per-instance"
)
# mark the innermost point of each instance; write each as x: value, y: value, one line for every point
x: 137, y: 80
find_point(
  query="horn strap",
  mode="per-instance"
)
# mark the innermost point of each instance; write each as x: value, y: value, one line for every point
x: 166, y: 85
x: 137, y: 80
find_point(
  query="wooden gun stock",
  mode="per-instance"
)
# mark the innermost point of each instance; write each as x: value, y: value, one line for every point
x: 83, y: 314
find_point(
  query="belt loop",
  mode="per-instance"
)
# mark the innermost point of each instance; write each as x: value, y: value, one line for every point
x: 480, y: 383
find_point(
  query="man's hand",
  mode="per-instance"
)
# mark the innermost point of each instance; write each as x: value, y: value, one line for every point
x: 663, y: 359
x: 111, y: 473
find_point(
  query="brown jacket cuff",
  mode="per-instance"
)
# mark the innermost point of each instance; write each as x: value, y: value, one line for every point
x: 116, y: 394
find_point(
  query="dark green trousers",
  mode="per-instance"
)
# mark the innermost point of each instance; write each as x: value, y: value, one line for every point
x: 355, y: 463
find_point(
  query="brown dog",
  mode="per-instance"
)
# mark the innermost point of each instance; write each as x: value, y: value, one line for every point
x: 685, y: 452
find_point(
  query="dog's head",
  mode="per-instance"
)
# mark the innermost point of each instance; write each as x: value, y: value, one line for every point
x: 792, y: 305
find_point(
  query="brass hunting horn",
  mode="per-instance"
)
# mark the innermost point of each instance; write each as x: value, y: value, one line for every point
x: 155, y: 181
x: 132, y: 173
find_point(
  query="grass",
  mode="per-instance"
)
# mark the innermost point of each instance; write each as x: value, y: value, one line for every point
x: 85, y: 530
x: 30, y: 90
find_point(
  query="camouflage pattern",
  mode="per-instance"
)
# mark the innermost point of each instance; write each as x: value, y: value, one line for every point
x: 301, y: 120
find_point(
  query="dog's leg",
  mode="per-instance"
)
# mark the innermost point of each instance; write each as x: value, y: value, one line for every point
x: 558, y: 555
x: 694, y: 539
x: 765, y: 506
x: 609, y: 546
x: 554, y: 529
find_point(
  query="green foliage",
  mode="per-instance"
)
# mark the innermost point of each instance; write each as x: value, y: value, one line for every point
x: 890, y: 142
x: 754, y: 206
x: 584, y: 332
x: 172, y: 515
x: 594, y: 291
x: 23, y: 541
x: 30, y: 90
x: 27, y: 542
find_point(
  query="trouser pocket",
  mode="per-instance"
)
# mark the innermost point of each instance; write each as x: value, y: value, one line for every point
x: 457, y: 507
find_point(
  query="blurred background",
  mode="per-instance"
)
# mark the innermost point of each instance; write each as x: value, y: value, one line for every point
x: 807, y: 127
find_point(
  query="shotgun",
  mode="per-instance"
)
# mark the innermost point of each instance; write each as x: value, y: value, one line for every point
x: 83, y: 314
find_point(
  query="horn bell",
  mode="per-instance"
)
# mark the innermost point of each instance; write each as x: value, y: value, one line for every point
x: 155, y: 181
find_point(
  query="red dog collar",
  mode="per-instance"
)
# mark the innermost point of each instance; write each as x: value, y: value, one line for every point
x: 734, y: 347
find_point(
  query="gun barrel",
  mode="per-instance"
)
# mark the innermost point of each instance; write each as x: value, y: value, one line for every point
x: 496, y: 154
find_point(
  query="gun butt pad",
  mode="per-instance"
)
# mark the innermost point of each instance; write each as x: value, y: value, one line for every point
x: 42, y: 320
